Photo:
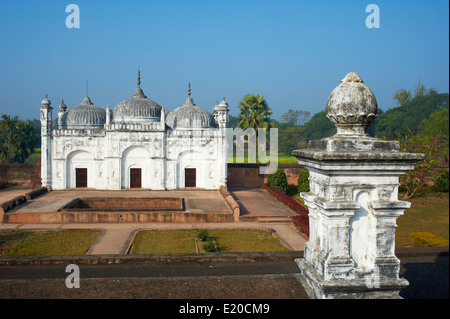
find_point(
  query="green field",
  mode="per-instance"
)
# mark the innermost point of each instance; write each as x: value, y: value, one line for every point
x: 282, y: 160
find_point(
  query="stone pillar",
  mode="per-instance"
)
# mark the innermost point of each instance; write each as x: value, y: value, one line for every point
x: 46, y: 143
x: 353, y: 203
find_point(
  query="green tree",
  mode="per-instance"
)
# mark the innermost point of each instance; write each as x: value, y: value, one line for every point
x: 421, y: 90
x: 254, y: 112
x: 290, y: 139
x: 8, y: 128
x: 319, y: 126
x: 400, y: 119
x: 232, y: 121
x: 437, y: 123
x: 295, y: 117
x: 402, y: 97
x: 24, y: 140
x: 427, y: 170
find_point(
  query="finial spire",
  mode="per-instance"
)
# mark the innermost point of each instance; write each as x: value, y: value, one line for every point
x: 189, y: 89
x: 139, y: 77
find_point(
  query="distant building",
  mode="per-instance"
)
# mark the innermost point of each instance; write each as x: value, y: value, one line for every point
x: 137, y: 146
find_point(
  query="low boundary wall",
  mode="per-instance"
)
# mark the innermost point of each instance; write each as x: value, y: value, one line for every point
x: 232, y: 204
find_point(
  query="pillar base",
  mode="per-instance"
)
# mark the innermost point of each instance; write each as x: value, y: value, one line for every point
x: 349, y: 289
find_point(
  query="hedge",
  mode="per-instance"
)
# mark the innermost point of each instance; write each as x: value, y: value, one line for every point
x: 303, y: 181
x: 278, y: 180
x: 301, y: 220
x: 425, y: 239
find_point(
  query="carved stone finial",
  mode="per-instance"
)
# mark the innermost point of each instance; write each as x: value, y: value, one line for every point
x: 351, y: 106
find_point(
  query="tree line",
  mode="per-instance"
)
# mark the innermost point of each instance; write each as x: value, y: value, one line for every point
x: 17, y: 138
x: 424, y: 112
x: 419, y: 122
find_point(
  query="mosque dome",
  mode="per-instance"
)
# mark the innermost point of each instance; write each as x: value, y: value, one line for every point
x: 137, y: 108
x: 84, y: 116
x: 190, y: 116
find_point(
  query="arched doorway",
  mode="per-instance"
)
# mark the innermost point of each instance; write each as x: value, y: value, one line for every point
x: 79, y: 170
x: 135, y: 168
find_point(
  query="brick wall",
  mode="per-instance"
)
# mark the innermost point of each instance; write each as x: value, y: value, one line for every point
x: 247, y: 175
x: 239, y: 175
x: 21, y: 174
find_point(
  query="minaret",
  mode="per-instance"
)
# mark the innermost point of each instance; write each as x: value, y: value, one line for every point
x: 222, y: 114
x: 46, y: 143
x: 221, y: 117
x: 108, y: 115
x: 62, y: 110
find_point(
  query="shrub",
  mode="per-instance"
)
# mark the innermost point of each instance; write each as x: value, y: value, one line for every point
x: 303, y: 181
x: 210, y: 246
x: 278, y: 180
x: 427, y: 170
x: 442, y: 182
x: 425, y: 239
x: 203, y: 235
x: 302, y: 220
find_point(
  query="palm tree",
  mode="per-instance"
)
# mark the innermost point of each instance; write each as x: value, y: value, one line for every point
x: 254, y: 112
x: 8, y: 127
x: 23, y: 141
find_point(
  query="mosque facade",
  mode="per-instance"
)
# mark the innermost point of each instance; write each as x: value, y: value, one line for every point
x: 135, y: 145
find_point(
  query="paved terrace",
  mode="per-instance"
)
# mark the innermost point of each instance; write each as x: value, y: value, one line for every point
x: 108, y: 272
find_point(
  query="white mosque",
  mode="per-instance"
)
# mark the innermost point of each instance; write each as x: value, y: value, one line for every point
x: 137, y: 146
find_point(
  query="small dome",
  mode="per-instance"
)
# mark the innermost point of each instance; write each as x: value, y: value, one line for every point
x: 84, y: 116
x: 223, y: 106
x: 137, y: 108
x: 46, y: 102
x: 190, y: 116
x: 351, y: 106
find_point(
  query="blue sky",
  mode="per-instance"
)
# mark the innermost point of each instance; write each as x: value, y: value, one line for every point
x: 292, y: 52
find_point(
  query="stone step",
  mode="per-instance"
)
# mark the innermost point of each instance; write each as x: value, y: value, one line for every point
x: 275, y: 220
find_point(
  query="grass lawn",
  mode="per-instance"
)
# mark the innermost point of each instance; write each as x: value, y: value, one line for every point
x: 429, y: 212
x: 35, y: 157
x: 46, y: 243
x: 164, y: 241
x: 240, y: 240
x: 183, y: 241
